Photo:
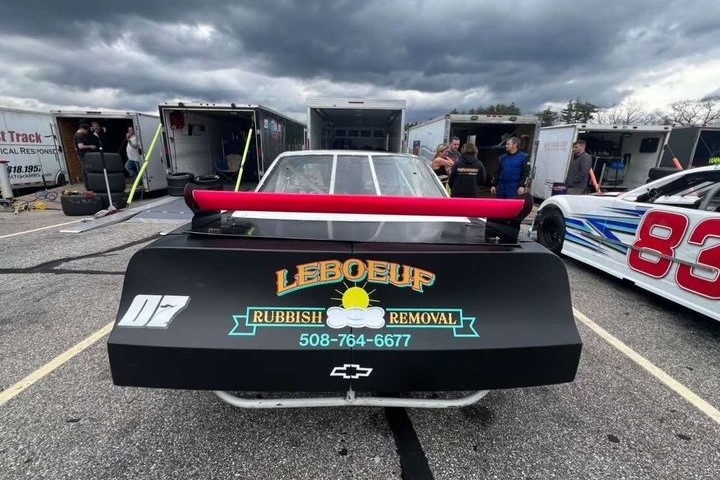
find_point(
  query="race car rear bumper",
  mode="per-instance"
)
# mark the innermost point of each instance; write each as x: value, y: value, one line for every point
x: 492, y: 317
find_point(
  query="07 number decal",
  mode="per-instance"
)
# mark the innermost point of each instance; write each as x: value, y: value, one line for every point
x: 660, y: 234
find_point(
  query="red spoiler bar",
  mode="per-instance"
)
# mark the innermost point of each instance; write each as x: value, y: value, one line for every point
x: 208, y: 200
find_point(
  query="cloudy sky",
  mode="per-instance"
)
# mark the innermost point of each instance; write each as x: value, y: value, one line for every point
x: 438, y: 55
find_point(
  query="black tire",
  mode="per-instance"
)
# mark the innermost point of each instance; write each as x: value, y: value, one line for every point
x: 551, y: 230
x: 179, y: 179
x: 61, y: 180
x: 80, y: 205
x: 96, y: 182
x: 113, y: 163
x: 119, y: 199
x: 176, y: 191
x: 208, y: 182
x: 660, y: 172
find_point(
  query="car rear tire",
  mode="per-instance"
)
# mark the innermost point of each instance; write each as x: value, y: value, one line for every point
x: 551, y: 230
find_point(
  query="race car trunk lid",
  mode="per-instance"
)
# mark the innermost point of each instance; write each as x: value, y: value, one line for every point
x: 273, y: 305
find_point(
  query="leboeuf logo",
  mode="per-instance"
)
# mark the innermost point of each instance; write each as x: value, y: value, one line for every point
x: 153, y: 311
x: 354, y: 270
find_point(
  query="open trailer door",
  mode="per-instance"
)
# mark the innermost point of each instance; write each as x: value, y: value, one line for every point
x: 552, y: 158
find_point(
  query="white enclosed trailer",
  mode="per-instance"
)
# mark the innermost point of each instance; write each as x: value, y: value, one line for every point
x: 202, y: 138
x: 622, y: 154
x: 487, y: 131
x: 28, y: 142
x: 357, y: 124
x: 116, y: 125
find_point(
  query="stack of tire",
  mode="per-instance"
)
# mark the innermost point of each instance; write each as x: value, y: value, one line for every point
x: 177, y: 182
x: 113, y: 164
x: 208, y: 182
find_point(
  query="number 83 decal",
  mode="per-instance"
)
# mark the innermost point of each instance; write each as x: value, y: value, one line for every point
x: 661, y: 233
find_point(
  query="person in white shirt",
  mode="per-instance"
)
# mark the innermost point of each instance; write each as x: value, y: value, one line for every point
x: 133, y: 153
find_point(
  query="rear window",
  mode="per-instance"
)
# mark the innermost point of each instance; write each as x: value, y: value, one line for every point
x: 368, y: 174
x: 405, y: 176
x: 353, y: 175
x: 300, y: 174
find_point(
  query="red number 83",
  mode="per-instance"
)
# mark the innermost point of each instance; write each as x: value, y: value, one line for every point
x: 662, y: 233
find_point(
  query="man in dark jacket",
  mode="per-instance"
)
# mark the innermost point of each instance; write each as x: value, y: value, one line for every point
x: 513, y: 171
x: 467, y: 174
x: 454, y: 145
x: 579, y: 171
x: 84, y: 142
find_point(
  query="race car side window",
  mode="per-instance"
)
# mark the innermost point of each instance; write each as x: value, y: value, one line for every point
x: 686, y: 191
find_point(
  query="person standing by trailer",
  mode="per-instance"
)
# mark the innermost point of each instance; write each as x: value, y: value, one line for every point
x: 579, y: 171
x: 84, y: 142
x: 134, y: 154
x: 454, y: 145
x: 513, y: 170
x: 467, y: 174
x: 100, y: 133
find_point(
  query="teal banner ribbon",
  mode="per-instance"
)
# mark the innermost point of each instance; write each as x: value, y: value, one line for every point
x: 465, y: 329
x: 244, y: 325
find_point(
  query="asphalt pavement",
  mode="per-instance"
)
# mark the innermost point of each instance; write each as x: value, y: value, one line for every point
x: 616, y: 420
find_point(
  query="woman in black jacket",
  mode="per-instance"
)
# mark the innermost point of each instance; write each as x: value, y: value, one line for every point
x: 467, y: 174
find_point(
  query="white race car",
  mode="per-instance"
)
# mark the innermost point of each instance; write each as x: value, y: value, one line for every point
x: 663, y: 236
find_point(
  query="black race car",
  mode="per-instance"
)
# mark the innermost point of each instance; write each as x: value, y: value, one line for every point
x: 345, y: 272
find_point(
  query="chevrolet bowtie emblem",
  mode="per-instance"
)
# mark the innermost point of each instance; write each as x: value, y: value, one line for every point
x: 351, y: 371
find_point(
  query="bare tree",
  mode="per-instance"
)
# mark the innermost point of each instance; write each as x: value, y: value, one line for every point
x: 629, y: 112
x: 696, y: 112
x: 710, y: 110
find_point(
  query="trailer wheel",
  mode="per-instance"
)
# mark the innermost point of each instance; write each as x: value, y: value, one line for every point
x: 551, y: 230
x: 60, y: 180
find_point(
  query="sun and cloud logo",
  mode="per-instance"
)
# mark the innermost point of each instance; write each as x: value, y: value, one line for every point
x: 356, y: 311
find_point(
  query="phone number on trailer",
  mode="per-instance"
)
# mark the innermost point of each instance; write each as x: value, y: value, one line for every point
x: 380, y: 340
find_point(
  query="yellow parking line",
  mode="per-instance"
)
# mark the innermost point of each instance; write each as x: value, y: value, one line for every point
x: 10, y: 392
x: 670, y: 382
x: 38, y: 229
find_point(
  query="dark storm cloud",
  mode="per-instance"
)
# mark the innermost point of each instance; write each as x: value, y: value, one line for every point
x: 527, y: 52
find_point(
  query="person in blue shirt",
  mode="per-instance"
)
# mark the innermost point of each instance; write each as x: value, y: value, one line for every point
x: 513, y: 170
